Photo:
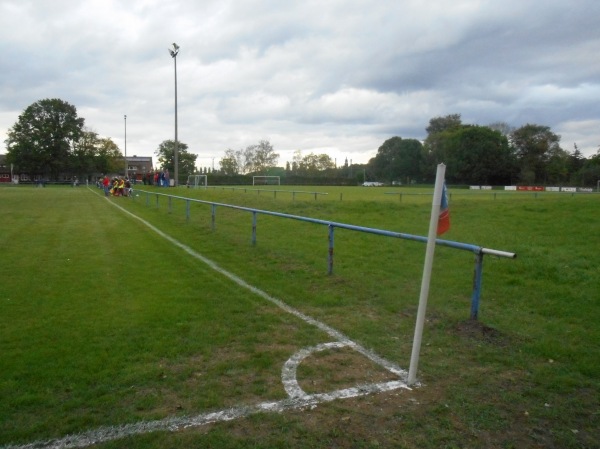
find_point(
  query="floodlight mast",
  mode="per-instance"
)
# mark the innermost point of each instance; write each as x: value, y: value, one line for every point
x: 173, y: 52
x: 126, y: 164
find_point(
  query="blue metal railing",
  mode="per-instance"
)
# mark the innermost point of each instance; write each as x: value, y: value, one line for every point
x: 475, y: 249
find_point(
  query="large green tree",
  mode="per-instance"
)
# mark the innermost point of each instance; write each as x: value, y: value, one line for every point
x: 558, y: 167
x: 473, y: 154
x: 109, y: 158
x: 438, y: 132
x: 166, y: 158
x: 590, y: 172
x: 443, y: 123
x: 534, y: 146
x: 43, y: 138
x: 398, y: 159
x: 84, y: 155
x: 478, y: 155
x: 95, y: 155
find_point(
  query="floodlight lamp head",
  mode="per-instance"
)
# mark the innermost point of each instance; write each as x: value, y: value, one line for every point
x: 175, y: 50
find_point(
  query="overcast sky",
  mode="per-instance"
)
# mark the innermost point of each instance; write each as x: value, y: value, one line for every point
x: 324, y: 76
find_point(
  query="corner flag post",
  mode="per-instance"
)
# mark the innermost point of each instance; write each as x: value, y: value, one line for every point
x: 431, y: 237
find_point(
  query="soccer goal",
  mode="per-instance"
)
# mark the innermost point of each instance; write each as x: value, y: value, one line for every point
x: 196, y: 181
x: 265, y: 181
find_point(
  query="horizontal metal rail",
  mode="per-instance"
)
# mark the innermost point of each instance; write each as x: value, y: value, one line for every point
x: 479, y: 251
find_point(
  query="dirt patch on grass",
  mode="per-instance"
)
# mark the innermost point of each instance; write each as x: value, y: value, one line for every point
x: 339, y: 368
x: 476, y: 330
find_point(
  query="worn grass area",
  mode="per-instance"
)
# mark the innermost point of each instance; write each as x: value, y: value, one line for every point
x: 104, y: 323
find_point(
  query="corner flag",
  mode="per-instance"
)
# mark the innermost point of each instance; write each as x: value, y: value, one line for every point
x: 439, y: 221
x: 444, y: 217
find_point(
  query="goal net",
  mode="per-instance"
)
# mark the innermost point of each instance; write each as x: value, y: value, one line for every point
x: 265, y: 181
x: 196, y: 181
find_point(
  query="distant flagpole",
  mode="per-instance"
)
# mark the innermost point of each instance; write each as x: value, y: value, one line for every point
x: 433, y: 230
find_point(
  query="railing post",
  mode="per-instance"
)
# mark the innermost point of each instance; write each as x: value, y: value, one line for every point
x: 330, y: 261
x: 214, y: 215
x: 477, y: 275
x: 253, y: 228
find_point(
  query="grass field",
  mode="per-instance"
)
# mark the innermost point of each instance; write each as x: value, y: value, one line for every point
x: 105, y: 324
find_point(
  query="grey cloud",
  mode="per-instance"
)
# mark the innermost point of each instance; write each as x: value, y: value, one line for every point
x: 338, y: 75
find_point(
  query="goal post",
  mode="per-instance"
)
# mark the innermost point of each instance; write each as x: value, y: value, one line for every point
x: 265, y: 181
x: 196, y: 181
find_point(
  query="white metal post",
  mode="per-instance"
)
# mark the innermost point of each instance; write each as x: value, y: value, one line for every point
x: 433, y: 223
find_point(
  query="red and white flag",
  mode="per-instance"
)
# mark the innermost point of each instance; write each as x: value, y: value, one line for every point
x: 444, y: 217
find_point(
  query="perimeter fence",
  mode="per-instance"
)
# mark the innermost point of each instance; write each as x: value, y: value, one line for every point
x: 477, y: 250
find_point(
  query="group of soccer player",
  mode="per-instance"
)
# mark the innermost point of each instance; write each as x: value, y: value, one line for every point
x: 119, y: 186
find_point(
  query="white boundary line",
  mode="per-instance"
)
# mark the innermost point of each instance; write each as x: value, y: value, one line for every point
x: 105, y: 434
x: 298, y: 399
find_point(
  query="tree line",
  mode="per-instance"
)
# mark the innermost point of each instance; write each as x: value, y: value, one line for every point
x: 484, y: 155
x: 261, y: 159
x: 50, y: 139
